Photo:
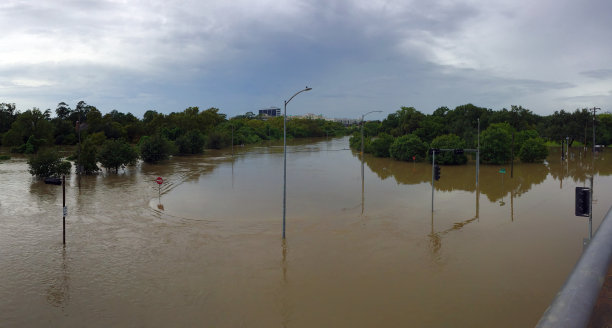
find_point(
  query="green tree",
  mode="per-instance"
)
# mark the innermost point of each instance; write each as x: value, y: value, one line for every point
x: 89, y: 153
x: 155, y: 148
x: 523, y: 136
x: 407, y: 146
x: 431, y: 127
x: 449, y: 141
x: 31, y: 123
x: 404, y: 121
x: 380, y: 146
x: 48, y: 163
x: 7, y: 116
x: 496, y: 144
x: 63, y: 132
x: 533, y: 150
x: 63, y: 111
x: 116, y: 154
x: 604, y: 129
x: 191, y: 143
x: 89, y: 157
x: 355, y: 142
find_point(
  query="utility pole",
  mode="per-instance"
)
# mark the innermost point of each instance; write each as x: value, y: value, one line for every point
x: 594, y: 110
x: 433, y: 165
x: 478, y: 154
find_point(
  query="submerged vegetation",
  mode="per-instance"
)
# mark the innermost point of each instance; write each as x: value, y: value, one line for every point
x: 405, y: 135
x: 115, y: 139
x: 504, y: 134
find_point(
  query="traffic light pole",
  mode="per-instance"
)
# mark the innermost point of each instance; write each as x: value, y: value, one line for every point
x: 457, y: 151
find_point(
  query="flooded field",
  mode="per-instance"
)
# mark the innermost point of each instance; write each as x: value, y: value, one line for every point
x: 205, y: 249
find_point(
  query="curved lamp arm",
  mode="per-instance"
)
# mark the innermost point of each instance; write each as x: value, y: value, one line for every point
x: 297, y: 93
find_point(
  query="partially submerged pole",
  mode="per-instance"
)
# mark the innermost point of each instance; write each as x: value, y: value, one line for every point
x: 433, y: 169
x: 64, y: 209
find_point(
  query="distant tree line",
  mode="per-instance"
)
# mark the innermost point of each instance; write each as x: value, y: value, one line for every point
x: 407, y: 134
x: 116, y: 139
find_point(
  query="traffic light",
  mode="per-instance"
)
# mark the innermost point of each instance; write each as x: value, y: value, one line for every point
x: 458, y: 151
x: 583, y: 201
x: 436, y: 172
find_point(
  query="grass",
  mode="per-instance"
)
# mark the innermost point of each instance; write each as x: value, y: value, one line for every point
x: 4, y: 157
x: 556, y: 144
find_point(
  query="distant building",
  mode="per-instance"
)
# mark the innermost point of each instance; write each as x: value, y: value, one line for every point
x: 347, y: 121
x: 272, y: 111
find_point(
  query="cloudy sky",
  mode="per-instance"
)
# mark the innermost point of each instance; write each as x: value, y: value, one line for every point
x: 358, y: 55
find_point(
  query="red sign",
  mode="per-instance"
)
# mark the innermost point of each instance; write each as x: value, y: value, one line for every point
x: 414, y: 158
x: 159, y: 180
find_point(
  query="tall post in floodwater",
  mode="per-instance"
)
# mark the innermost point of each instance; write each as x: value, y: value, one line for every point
x: 285, y: 157
x: 64, y: 209
x: 362, y: 154
x: 478, y: 154
x: 433, y: 170
x: 594, y: 110
x: 591, y: 211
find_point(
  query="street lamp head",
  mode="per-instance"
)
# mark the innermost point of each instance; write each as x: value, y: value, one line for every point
x: 307, y: 89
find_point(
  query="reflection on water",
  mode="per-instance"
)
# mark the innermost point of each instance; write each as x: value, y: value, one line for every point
x: 463, y: 178
x: 58, y: 292
x: 436, y: 236
x: 364, y: 247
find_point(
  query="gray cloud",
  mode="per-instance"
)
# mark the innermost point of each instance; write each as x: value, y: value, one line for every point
x: 602, y: 74
x: 357, y: 55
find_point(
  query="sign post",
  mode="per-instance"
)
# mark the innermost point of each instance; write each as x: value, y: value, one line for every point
x: 64, y: 209
x: 159, y: 181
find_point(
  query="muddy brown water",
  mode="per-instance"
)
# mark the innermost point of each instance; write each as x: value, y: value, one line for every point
x: 206, y: 249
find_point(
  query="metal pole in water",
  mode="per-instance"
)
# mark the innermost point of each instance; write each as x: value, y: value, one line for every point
x: 591, y: 212
x: 64, y: 209
x: 478, y: 154
x: 433, y: 164
x: 594, y: 110
x: 284, y: 167
x: 285, y: 156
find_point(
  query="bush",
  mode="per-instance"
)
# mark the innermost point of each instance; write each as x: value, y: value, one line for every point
x: 533, y: 150
x: 380, y: 146
x: 355, y: 142
x: 407, y: 146
x: 116, y: 154
x: 154, y: 149
x: 217, y: 139
x: 191, y: 143
x: 449, y: 141
x: 89, y: 155
x: 497, y: 144
x: 48, y: 163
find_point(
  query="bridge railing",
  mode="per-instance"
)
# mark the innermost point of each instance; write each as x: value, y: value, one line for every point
x: 575, y: 301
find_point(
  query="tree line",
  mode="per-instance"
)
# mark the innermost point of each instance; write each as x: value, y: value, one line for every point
x: 407, y: 134
x: 116, y: 139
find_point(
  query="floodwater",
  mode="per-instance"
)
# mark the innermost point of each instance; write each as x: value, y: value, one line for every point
x: 206, y: 250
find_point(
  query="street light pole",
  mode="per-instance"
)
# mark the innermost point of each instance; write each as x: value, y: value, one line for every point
x: 362, y: 116
x: 362, y: 173
x: 285, y: 157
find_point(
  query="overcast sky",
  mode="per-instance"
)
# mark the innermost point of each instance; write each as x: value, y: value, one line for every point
x: 358, y: 56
